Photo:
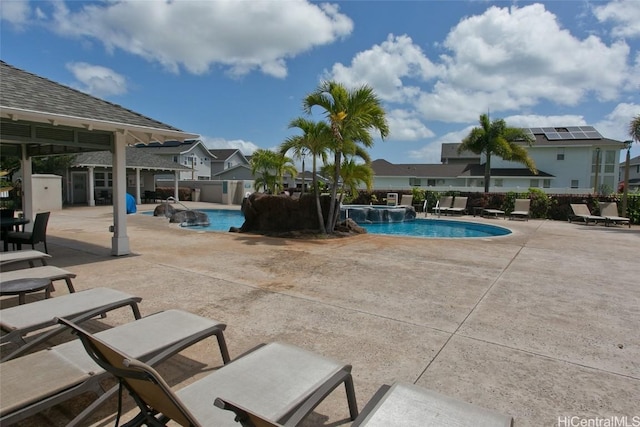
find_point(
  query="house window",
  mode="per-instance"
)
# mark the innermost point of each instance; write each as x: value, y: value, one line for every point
x: 534, y: 183
x: 575, y: 183
x: 175, y: 159
x: 498, y: 182
x: 560, y: 154
x: 431, y: 183
x: 546, y: 183
x: 103, y: 179
x: 609, y: 161
x: 415, y: 182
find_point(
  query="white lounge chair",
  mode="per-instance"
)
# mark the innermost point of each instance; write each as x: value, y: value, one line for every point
x: 459, y: 206
x: 398, y: 405
x: 275, y: 380
x: 45, y: 378
x: 29, y: 256
x: 21, y: 320
x: 43, y: 272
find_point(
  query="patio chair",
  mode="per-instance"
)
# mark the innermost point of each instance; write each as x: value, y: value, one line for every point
x: 609, y: 210
x: 521, y: 209
x: 581, y: 212
x: 45, y: 378
x: 274, y: 380
x: 37, y: 235
x: 397, y: 405
x: 459, y: 206
x: 443, y: 205
x: 21, y: 320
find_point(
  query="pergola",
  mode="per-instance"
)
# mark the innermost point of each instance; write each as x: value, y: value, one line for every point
x: 39, y: 117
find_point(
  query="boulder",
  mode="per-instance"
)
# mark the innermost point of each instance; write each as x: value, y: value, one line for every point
x: 190, y: 218
x: 164, y: 209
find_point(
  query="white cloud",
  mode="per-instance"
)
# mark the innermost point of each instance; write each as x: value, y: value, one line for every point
x: 534, y: 120
x: 615, y: 125
x: 502, y: 60
x: 16, y: 12
x: 97, y: 80
x: 405, y: 126
x: 240, y: 36
x: 624, y: 14
x: 387, y: 67
x: 247, y: 148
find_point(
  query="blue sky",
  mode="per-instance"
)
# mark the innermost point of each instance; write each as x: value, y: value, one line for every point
x: 236, y: 72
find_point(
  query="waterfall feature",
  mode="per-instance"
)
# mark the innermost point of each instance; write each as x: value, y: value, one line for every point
x: 363, y: 214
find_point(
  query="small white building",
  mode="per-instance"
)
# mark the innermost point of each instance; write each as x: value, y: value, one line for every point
x: 191, y: 154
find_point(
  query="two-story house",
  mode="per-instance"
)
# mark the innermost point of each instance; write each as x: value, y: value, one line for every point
x: 634, y: 173
x: 572, y: 159
x: 191, y: 153
x: 229, y: 164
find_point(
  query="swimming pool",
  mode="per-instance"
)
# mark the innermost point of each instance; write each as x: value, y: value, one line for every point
x: 223, y: 219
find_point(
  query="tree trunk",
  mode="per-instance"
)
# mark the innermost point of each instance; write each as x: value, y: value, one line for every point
x: 314, y: 180
x: 331, y: 223
x: 487, y: 173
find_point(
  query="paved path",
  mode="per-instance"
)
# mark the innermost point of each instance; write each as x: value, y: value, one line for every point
x: 542, y: 324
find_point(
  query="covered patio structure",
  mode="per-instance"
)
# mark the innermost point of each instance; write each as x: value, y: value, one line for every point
x: 40, y: 117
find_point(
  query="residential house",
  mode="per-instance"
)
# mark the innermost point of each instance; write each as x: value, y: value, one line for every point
x: 572, y: 159
x: 229, y: 164
x: 191, y: 153
x: 91, y: 175
x: 634, y: 173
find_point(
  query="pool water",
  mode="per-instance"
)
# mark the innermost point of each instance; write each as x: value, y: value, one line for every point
x: 223, y: 219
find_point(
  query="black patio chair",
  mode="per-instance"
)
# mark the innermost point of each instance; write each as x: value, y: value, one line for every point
x: 38, y: 235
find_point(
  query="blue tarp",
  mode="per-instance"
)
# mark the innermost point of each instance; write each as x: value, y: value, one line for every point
x: 131, y: 204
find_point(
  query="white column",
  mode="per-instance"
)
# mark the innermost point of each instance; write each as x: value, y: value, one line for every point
x: 92, y: 191
x: 27, y: 187
x: 120, y: 240
x: 176, y: 174
x: 138, y: 201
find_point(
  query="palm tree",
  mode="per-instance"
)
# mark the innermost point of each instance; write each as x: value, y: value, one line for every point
x: 269, y: 168
x: 351, y: 115
x: 634, y: 128
x: 495, y: 137
x: 315, y: 140
x: 353, y: 173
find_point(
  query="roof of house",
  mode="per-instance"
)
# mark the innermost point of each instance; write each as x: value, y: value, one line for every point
x: 134, y: 159
x: 27, y: 91
x: 382, y: 167
x: 222, y: 154
x: 450, y: 150
x: 172, y: 147
x: 478, y: 171
x: 632, y: 162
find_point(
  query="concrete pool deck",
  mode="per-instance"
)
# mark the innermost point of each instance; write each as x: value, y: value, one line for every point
x: 543, y: 324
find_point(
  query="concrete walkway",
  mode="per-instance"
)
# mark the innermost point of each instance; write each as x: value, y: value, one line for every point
x: 543, y: 324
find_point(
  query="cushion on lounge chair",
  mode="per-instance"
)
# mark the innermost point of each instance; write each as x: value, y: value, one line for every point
x: 274, y: 379
x: 459, y: 205
x: 40, y: 380
x: 398, y: 405
x: 20, y: 320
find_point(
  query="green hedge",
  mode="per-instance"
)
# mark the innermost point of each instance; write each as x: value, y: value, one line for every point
x: 550, y: 206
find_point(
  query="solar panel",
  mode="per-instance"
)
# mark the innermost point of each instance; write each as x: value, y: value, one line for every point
x: 593, y: 135
x: 536, y: 131
x: 553, y: 136
x: 579, y: 135
x: 566, y: 135
x: 573, y: 128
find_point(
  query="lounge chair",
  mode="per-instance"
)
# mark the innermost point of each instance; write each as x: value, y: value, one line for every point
x: 490, y: 212
x: 274, y: 380
x: 45, y: 378
x: 443, y: 205
x: 21, y: 320
x: 609, y: 210
x: 29, y: 256
x: 43, y: 272
x: 459, y: 206
x: 581, y: 212
x: 398, y: 405
x: 37, y: 235
x: 521, y: 209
